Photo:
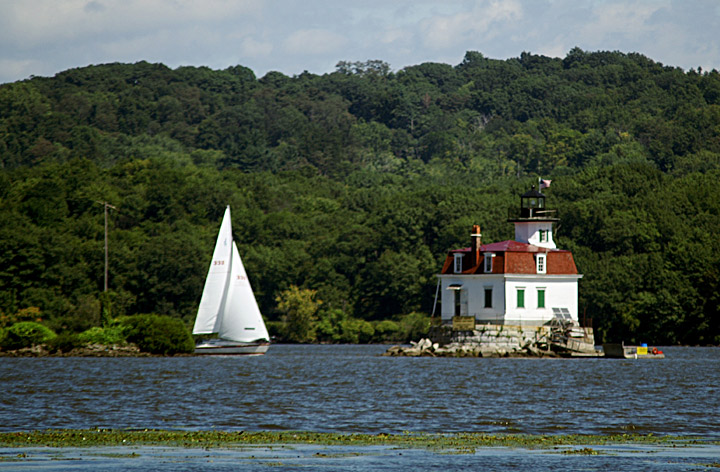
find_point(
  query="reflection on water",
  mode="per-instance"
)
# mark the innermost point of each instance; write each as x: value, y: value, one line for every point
x: 353, y: 389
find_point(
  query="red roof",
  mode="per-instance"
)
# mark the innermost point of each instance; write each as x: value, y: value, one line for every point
x: 509, y: 246
x: 512, y: 257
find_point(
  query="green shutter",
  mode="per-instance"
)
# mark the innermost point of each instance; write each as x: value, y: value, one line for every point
x: 521, y: 298
x: 541, y: 298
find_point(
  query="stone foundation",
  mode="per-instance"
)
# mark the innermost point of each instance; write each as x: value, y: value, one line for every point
x: 498, y: 341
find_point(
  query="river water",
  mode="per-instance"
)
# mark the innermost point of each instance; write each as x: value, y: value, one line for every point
x: 353, y: 389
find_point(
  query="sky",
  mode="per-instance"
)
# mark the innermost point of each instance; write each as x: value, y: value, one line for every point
x: 44, y: 37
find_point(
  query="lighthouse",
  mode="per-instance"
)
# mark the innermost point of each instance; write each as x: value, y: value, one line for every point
x: 527, y: 281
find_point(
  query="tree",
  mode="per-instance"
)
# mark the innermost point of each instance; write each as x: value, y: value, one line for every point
x: 158, y: 334
x: 299, y: 308
x: 356, y: 183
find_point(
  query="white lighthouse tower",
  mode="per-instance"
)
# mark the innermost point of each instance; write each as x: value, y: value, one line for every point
x: 533, y: 223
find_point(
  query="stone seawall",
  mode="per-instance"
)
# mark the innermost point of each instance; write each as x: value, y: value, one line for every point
x: 494, y: 341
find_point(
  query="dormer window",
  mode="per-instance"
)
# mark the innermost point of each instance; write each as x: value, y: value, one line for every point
x: 544, y: 235
x: 458, y: 263
x: 489, y: 262
x: 540, y: 263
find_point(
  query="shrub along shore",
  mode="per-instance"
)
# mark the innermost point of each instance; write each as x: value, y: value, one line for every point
x: 151, y: 334
x: 88, y: 350
x: 138, y: 335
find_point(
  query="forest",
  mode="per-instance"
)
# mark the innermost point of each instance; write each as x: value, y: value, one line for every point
x: 347, y: 189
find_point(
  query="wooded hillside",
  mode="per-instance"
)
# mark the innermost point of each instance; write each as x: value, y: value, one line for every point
x: 358, y: 182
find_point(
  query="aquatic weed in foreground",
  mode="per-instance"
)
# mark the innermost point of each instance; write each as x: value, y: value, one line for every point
x: 228, y: 439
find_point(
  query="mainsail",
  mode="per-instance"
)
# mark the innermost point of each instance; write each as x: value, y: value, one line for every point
x: 216, y: 282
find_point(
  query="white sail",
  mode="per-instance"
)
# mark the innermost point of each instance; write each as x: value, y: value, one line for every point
x: 213, y: 295
x: 228, y: 305
x: 240, y: 318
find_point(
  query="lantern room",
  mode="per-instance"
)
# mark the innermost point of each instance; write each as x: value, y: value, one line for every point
x: 533, y: 220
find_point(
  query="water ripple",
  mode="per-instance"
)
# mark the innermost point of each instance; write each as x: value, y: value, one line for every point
x: 352, y: 389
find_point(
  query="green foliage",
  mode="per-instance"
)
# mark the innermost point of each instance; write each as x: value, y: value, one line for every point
x: 64, y: 342
x: 388, y: 331
x: 25, y: 334
x: 275, y: 329
x: 328, y: 325
x: 335, y: 326
x: 356, y: 184
x: 299, y: 309
x: 25, y: 314
x: 106, y: 335
x: 357, y: 331
x: 414, y: 326
x: 158, y: 334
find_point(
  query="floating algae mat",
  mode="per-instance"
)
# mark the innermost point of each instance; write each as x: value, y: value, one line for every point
x: 153, y: 437
x: 113, y: 450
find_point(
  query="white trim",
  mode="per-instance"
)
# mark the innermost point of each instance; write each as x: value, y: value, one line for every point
x: 511, y: 277
x: 541, y: 263
x: 517, y: 296
x: 458, y: 262
x: 489, y: 256
x: 537, y: 297
x: 485, y: 299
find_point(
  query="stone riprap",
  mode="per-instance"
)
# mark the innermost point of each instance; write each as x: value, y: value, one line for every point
x: 484, y: 341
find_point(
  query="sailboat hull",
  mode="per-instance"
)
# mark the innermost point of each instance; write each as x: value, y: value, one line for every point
x: 223, y: 347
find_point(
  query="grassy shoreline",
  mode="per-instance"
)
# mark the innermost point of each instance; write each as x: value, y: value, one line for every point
x: 209, y: 439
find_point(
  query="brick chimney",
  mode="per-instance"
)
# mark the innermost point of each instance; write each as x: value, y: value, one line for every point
x: 476, y: 244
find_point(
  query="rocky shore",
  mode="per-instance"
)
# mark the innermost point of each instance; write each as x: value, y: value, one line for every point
x: 91, y: 350
x: 426, y: 348
x: 503, y: 341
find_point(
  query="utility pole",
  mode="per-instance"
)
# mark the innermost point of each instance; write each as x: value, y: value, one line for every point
x: 106, y: 205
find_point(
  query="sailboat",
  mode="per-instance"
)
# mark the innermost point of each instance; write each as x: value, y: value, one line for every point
x: 228, y: 307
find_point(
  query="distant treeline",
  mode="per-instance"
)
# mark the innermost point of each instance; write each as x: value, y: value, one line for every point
x: 355, y: 184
